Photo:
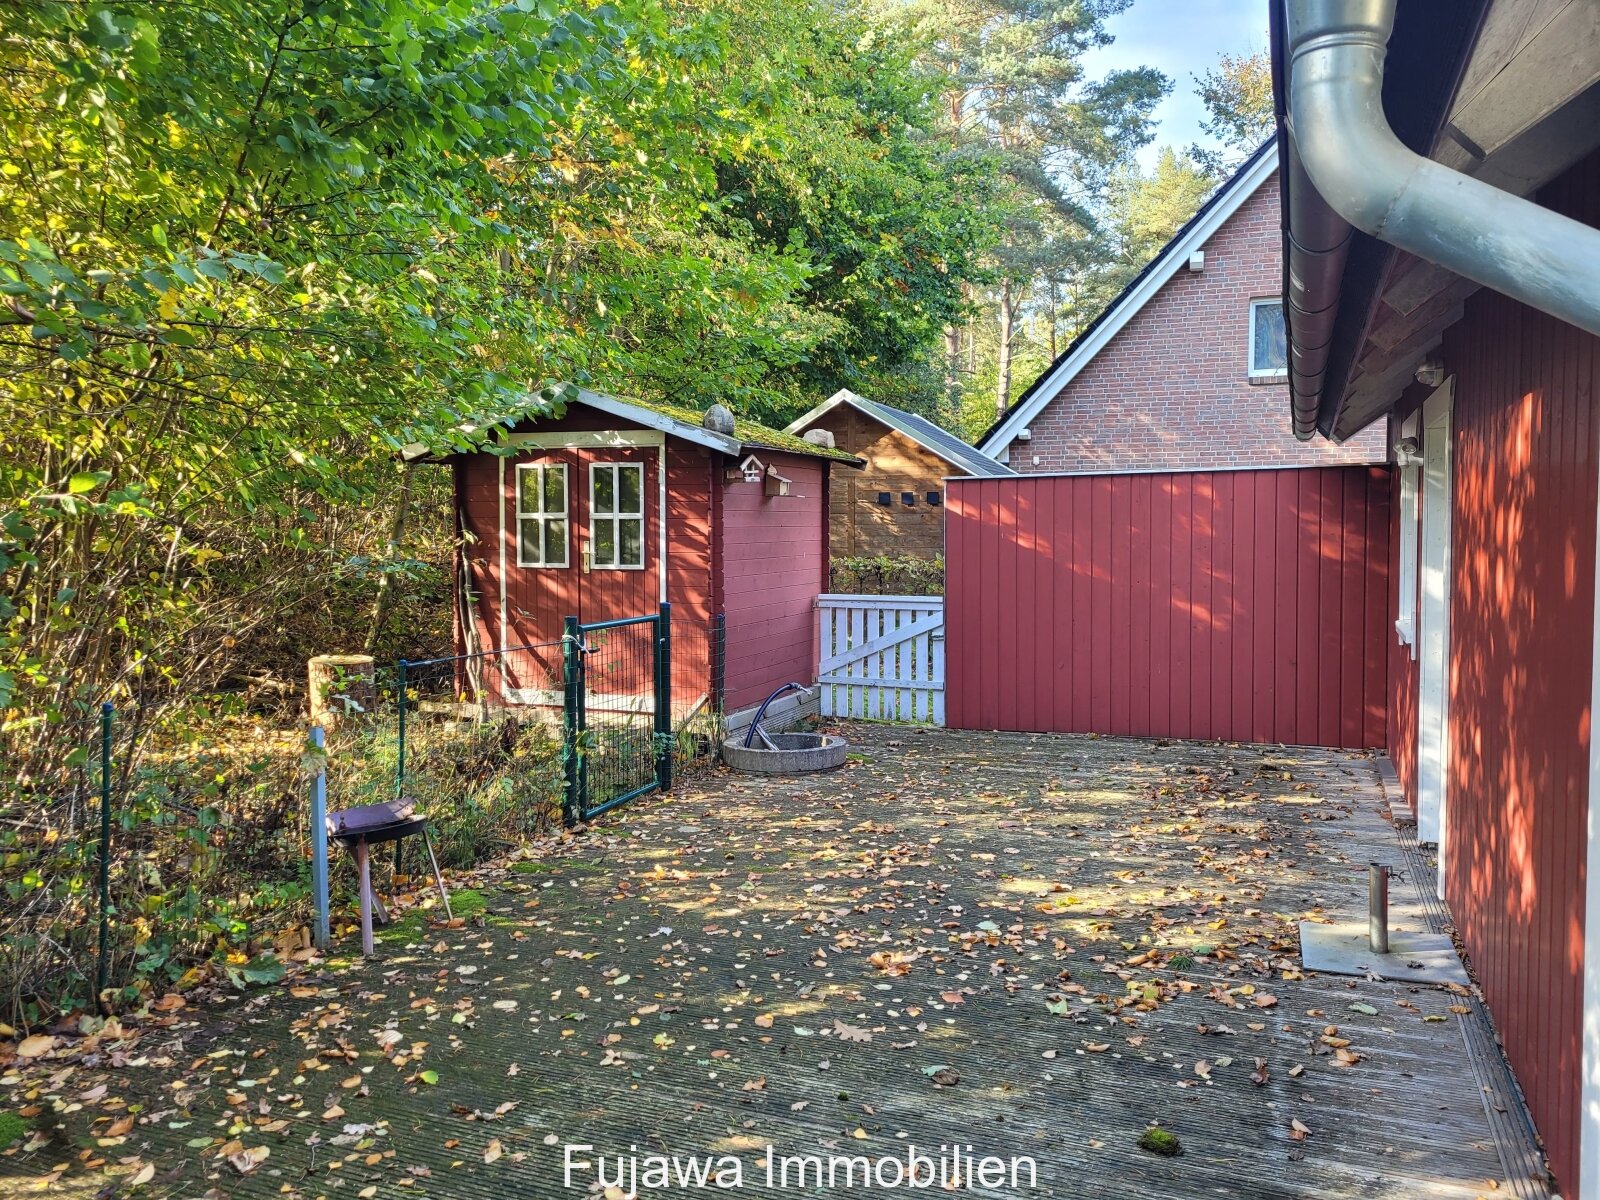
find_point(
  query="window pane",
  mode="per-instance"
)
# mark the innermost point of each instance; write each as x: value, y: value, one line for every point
x: 630, y: 482
x: 528, y: 539
x: 632, y: 542
x: 527, y: 490
x: 1268, y: 347
x: 555, y: 543
x: 555, y: 489
x: 604, y: 490
x: 605, y: 543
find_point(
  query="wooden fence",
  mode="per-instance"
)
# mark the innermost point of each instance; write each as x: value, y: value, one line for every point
x: 882, y: 658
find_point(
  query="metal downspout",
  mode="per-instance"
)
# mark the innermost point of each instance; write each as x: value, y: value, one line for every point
x: 1342, y: 146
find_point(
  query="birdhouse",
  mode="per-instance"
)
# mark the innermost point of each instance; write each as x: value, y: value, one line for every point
x: 776, y: 485
x: 752, y: 469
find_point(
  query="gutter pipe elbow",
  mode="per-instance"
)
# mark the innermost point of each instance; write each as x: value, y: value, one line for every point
x: 1342, y: 146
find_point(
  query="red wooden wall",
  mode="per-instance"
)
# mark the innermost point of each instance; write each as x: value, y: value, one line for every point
x: 1243, y: 605
x: 772, y: 562
x: 1521, y: 637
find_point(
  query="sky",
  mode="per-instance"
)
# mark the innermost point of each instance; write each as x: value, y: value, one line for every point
x: 1181, y: 38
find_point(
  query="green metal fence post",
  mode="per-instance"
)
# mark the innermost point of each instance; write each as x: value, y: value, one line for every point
x: 102, y: 962
x: 663, y: 665
x: 719, y: 659
x: 571, y: 800
x: 400, y: 718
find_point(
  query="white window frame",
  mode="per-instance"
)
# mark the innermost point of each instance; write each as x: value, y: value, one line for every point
x: 1410, y: 523
x: 1250, y: 342
x: 541, y: 517
x: 616, y: 517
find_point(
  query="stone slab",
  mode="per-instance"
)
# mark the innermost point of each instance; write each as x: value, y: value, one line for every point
x: 1343, y: 949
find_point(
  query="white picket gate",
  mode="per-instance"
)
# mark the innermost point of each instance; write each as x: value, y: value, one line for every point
x: 882, y: 657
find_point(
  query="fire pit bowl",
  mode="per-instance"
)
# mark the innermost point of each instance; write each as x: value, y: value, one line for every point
x: 790, y: 754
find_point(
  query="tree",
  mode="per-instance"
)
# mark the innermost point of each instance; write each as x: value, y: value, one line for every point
x: 1144, y: 211
x: 1012, y: 83
x: 1237, y: 94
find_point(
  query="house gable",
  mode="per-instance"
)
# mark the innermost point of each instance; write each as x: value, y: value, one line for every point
x: 1162, y: 381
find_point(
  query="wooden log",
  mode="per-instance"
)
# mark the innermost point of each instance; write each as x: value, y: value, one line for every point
x: 341, y: 685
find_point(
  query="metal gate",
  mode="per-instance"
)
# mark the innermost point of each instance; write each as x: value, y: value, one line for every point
x: 617, y: 712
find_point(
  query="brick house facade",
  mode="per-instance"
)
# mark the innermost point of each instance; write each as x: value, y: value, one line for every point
x: 1162, y: 380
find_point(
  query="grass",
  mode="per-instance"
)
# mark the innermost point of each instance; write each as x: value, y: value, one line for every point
x: 413, y: 926
x: 12, y: 1127
x: 577, y: 866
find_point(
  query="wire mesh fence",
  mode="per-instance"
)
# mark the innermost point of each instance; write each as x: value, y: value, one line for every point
x: 151, y: 844
x: 208, y: 860
x: 473, y: 714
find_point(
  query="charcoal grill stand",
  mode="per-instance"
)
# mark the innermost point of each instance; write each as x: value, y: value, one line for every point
x: 359, y: 829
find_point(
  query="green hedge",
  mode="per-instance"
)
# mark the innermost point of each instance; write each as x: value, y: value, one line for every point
x: 883, y: 575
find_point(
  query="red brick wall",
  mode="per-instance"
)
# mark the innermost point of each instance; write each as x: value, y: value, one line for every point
x: 774, y: 564
x: 1171, y: 390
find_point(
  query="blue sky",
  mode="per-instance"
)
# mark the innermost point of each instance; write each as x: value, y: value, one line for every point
x: 1181, y: 38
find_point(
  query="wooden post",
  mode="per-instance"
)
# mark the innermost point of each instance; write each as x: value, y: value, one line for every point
x: 341, y: 685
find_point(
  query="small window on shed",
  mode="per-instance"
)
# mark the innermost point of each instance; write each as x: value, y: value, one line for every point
x: 1269, y: 346
x: 541, y: 514
x: 885, y: 498
x: 935, y: 499
x: 616, y: 515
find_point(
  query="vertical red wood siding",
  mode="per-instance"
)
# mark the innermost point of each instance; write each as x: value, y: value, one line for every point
x: 1244, y: 605
x: 1521, y: 636
x: 773, y: 565
x: 537, y: 599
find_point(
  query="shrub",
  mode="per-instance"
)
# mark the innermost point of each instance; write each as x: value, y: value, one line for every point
x: 903, y: 575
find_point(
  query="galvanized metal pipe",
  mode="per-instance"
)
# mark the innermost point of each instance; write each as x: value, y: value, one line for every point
x: 1378, y: 907
x: 1344, y: 145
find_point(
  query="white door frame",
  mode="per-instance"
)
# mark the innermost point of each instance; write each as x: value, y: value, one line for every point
x: 642, y: 439
x: 1433, y: 626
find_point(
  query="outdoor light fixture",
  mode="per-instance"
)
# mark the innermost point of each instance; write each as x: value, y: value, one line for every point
x: 1430, y: 373
x: 1406, y: 452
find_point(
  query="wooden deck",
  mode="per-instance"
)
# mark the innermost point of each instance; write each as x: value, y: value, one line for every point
x: 1035, y: 946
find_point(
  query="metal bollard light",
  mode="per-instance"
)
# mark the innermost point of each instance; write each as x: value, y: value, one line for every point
x: 1378, y: 907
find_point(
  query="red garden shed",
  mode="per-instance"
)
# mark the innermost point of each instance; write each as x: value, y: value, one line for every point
x: 614, y: 506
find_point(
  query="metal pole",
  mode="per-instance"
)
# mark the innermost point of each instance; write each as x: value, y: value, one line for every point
x: 319, y: 839
x: 719, y: 653
x: 400, y: 759
x: 102, y: 960
x: 663, y: 665
x: 570, y: 805
x: 1378, y: 907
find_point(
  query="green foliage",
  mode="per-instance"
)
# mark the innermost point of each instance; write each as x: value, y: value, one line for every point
x: 888, y: 575
x: 1237, y: 94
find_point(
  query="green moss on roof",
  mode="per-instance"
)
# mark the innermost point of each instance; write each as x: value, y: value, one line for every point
x: 751, y: 433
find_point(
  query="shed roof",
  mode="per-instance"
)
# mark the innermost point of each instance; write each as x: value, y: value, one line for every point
x: 672, y: 419
x: 959, y: 454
